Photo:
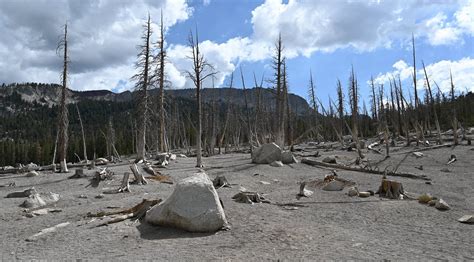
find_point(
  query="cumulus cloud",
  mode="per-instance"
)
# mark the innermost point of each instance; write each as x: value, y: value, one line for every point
x: 103, y: 36
x: 462, y: 70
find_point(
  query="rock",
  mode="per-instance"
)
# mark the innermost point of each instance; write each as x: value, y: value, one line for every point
x: 193, y: 206
x: 264, y: 182
x: 172, y: 157
x: 40, y: 200
x: 82, y: 196
x: 334, y: 185
x: 26, y: 193
x: 266, y: 154
x: 418, y: 154
x: 288, y: 158
x: 432, y: 203
x: 353, y: 191
x: 425, y: 198
x: 32, y: 174
x: 467, y: 219
x: 99, y: 196
x: 31, y: 166
x: 330, y: 160
x: 303, y: 191
x: 276, y: 164
x: 442, y: 205
x: 162, y: 157
x: 364, y: 194
x: 249, y: 198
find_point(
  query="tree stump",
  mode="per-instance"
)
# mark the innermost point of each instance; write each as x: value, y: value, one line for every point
x: 125, y: 186
x: 139, y: 178
x: 390, y: 189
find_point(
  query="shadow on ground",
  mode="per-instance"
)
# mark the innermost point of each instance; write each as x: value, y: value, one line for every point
x: 151, y: 232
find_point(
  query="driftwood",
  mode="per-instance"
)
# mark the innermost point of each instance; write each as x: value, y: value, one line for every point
x: 424, y: 149
x: 303, y: 191
x: 161, y: 178
x: 28, y: 192
x: 249, y: 198
x: 46, y: 231
x: 139, y: 178
x: 370, y: 171
x: 136, y: 212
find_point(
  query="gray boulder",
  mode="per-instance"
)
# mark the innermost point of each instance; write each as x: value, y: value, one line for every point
x: 40, y: 200
x: 266, y: 154
x: 288, y: 158
x: 193, y: 206
x: 442, y: 205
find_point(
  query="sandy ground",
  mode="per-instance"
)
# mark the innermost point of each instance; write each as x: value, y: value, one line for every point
x: 328, y: 225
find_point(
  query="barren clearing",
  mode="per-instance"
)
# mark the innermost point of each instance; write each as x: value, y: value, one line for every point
x: 327, y: 225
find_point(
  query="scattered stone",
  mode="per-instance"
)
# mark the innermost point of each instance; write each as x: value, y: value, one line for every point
x: 264, y: 182
x: 220, y: 181
x: 288, y: 158
x: 266, y: 154
x: 276, y: 164
x: 82, y: 196
x: 330, y: 160
x: 40, y: 199
x: 45, y: 211
x: 172, y: 157
x: 31, y: 167
x: 100, y: 196
x: 353, y: 191
x: 418, y: 154
x: 467, y: 219
x: 428, y: 183
x: 364, y: 194
x: 32, y: 174
x: 26, y: 193
x: 334, y: 185
x: 442, y: 205
x: 425, y: 198
x: 193, y: 206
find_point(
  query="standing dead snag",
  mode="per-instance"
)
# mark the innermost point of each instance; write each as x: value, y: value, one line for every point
x: 142, y: 79
x: 201, y: 70
x: 313, y: 103
x: 83, y: 135
x: 353, y: 98
x: 63, y: 122
x: 279, y: 124
x: 431, y: 100
x: 453, y: 104
x: 161, y: 85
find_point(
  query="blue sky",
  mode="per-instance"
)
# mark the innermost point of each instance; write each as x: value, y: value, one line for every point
x: 327, y: 37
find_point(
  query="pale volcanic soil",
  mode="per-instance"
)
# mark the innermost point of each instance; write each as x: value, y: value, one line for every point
x: 327, y: 225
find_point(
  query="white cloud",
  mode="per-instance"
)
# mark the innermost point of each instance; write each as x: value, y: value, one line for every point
x: 462, y: 70
x: 441, y: 32
x: 465, y: 17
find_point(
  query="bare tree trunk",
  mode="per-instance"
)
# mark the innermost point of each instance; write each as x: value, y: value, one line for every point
x: 455, y: 119
x: 438, y: 129
x: 63, y: 114
x: 161, y: 80
x: 83, y: 135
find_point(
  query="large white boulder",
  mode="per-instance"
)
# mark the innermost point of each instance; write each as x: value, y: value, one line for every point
x: 193, y: 206
x: 266, y: 154
x: 40, y: 199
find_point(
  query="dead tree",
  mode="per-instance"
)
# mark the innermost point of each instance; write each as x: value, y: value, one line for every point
x: 431, y: 100
x: 228, y: 113
x: 354, y: 102
x: 63, y: 122
x: 247, y: 113
x: 201, y: 70
x: 313, y: 102
x: 83, y: 135
x: 142, y: 79
x: 286, y: 99
x: 277, y: 65
x: 373, y: 101
x: 160, y: 71
x: 453, y: 104
x: 418, y: 127
x: 340, y: 106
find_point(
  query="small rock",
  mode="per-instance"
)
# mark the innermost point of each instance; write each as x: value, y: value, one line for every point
x: 82, y: 196
x: 264, y: 182
x: 467, y: 219
x: 364, y: 194
x: 266, y: 154
x: 276, y: 164
x: 428, y: 182
x: 40, y: 199
x: 288, y: 158
x: 442, y: 205
x: 32, y: 174
x: 172, y: 157
x: 353, y: 191
x: 330, y: 160
x: 99, y: 196
x: 418, y: 154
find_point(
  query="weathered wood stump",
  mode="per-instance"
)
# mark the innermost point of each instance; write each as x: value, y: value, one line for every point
x: 391, y: 189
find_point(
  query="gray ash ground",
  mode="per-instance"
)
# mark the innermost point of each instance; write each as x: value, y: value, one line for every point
x: 327, y: 225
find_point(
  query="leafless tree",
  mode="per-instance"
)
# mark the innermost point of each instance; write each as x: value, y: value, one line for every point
x: 83, y: 135
x: 354, y: 102
x: 160, y: 72
x: 142, y: 79
x: 453, y: 104
x: 201, y: 70
x: 432, y: 103
x: 277, y: 65
x: 63, y: 122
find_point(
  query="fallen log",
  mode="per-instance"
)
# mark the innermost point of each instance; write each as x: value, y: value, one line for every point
x: 355, y: 169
